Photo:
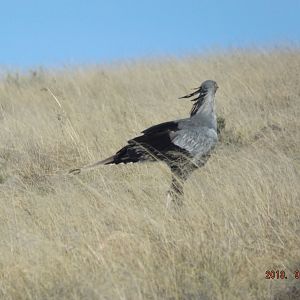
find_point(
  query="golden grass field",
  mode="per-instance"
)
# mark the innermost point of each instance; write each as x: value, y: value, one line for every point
x: 106, y: 234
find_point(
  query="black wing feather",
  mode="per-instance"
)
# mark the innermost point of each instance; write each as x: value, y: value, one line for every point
x: 155, y: 143
x: 166, y: 126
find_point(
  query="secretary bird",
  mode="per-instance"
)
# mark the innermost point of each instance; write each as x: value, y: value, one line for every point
x: 184, y: 145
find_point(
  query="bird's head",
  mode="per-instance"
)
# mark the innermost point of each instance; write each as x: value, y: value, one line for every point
x: 207, y: 87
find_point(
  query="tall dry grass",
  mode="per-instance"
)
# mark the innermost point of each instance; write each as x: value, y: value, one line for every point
x: 106, y: 234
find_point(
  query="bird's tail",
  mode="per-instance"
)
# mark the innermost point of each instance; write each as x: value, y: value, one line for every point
x: 128, y: 154
x: 106, y: 161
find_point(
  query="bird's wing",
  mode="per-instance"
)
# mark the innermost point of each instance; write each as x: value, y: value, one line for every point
x: 158, y: 137
x: 166, y: 126
x: 155, y: 142
x: 197, y: 141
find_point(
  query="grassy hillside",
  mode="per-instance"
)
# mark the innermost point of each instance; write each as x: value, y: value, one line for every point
x: 106, y: 234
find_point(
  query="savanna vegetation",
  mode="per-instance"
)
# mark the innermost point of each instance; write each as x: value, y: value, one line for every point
x: 106, y: 234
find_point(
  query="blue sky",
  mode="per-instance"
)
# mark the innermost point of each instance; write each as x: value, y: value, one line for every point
x: 54, y: 33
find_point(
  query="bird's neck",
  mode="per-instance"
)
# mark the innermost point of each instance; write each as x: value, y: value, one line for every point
x: 205, y: 115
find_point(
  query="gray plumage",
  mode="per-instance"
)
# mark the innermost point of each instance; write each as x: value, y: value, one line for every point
x: 184, y: 145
